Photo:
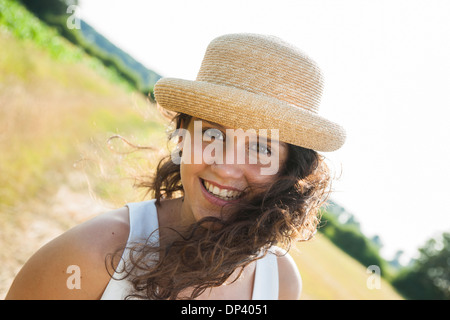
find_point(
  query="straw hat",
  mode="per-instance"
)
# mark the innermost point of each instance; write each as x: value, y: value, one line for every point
x: 252, y: 81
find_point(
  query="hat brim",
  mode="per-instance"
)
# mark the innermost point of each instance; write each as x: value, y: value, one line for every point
x: 236, y: 108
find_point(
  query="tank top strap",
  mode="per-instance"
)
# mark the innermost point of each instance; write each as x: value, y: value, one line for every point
x: 143, y: 222
x: 143, y: 229
x: 265, y: 285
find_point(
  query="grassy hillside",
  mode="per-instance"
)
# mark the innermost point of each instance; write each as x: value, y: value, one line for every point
x: 58, y: 106
x: 53, y: 97
x: 329, y: 273
x: 47, y: 107
x: 54, y: 13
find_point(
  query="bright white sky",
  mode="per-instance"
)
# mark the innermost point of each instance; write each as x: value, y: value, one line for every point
x: 387, y: 81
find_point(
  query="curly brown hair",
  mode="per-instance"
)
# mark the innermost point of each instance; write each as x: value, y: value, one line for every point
x: 286, y: 212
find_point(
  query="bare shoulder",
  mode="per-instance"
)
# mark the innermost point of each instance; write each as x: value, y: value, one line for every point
x: 290, y: 281
x: 81, y: 251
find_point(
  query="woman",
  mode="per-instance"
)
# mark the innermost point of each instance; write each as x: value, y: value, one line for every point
x: 246, y: 176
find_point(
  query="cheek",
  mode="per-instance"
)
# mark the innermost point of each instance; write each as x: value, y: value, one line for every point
x: 187, y: 180
x: 190, y: 174
x: 261, y: 176
x: 187, y: 172
x: 256, y: 180
x: 192, y: 148
x: 192, y: 164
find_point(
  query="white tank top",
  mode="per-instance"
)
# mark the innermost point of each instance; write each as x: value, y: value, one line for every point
x: 144, y: 227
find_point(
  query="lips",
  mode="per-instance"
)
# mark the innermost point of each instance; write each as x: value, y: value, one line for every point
x: 221, y: 192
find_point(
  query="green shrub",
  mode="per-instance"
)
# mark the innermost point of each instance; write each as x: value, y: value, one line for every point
x: 351, y: 240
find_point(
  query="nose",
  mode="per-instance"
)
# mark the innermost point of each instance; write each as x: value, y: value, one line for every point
x: 227, y: 171
x: 227, y: 167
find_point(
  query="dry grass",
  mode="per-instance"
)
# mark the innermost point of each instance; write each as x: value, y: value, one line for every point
x: 44, y: 116
x: 52, y: 114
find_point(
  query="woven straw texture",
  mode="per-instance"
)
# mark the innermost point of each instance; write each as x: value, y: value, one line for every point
x: 256, y: 82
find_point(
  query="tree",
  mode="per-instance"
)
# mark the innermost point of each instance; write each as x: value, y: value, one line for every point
x: 350, y: 239
x: 429, y: 277
x: 43, y: 8
x: 395, y: 262
x: 376, y: 240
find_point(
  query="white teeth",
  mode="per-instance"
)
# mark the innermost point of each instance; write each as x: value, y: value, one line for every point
x: 224, y: 194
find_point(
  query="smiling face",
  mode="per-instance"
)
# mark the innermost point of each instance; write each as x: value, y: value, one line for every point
x: 221, y: 166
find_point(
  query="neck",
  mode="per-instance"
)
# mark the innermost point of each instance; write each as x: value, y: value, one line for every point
x: 173, y: 215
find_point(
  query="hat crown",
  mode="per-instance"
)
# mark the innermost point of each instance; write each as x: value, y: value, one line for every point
x: 263, y: 65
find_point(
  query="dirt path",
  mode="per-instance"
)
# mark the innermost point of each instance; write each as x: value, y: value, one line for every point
x: 27, y: 227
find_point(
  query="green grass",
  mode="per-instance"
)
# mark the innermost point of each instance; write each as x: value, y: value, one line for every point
x: 23, y: 25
